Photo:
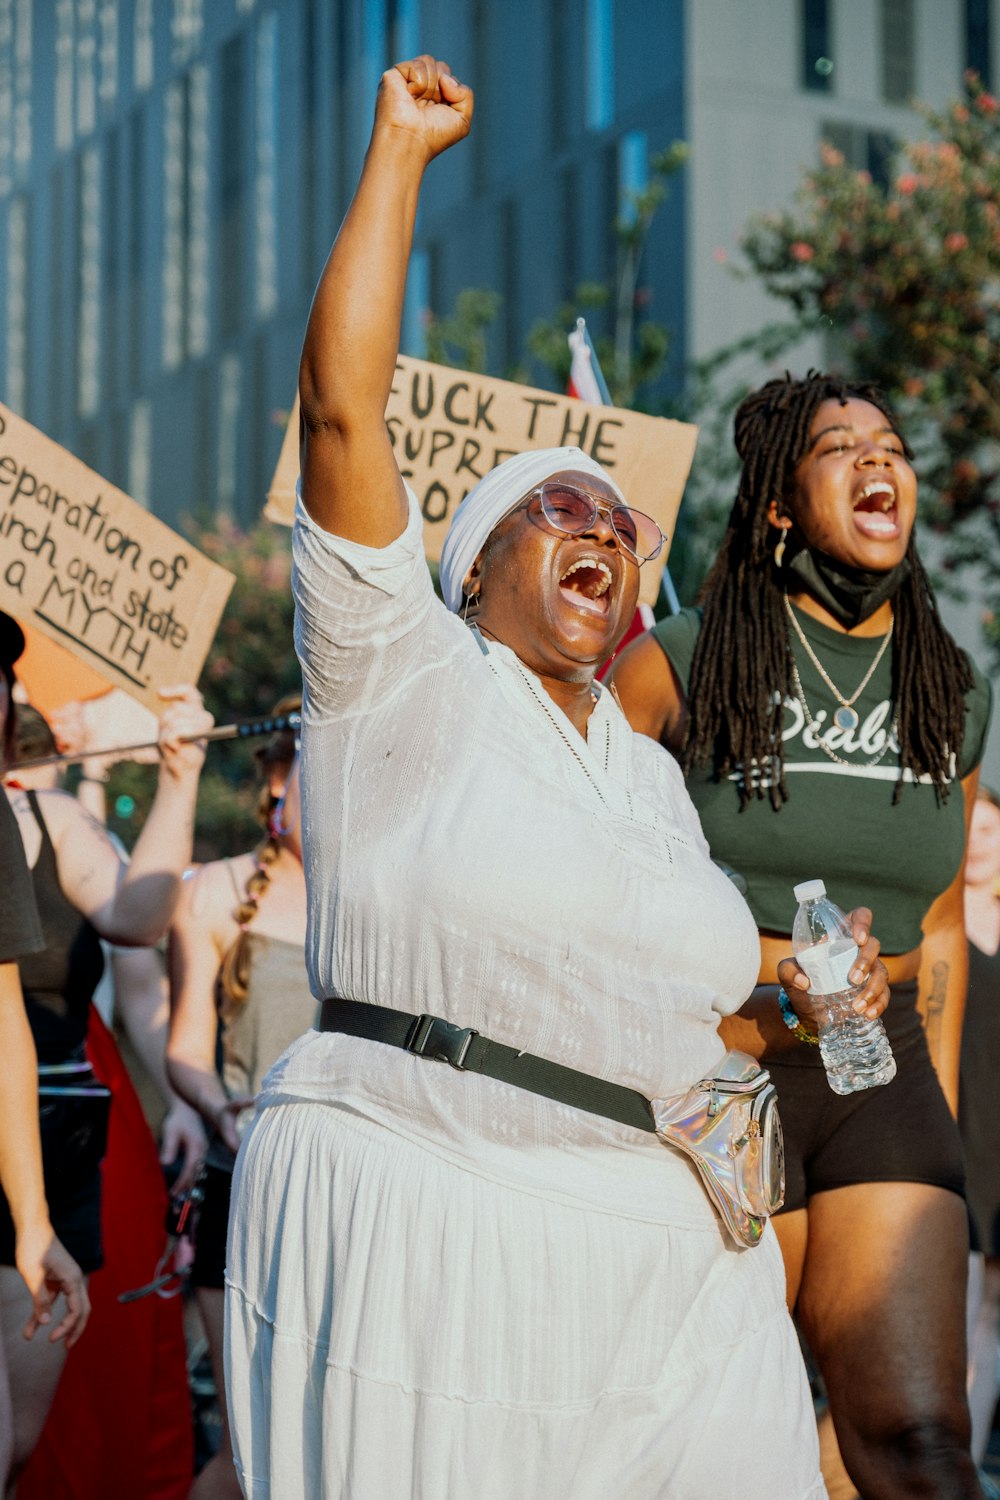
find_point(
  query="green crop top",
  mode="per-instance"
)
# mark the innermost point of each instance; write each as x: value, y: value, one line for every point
x: 838, y: 824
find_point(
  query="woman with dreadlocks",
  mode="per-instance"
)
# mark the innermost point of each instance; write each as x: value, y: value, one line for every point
x: 823, y: 716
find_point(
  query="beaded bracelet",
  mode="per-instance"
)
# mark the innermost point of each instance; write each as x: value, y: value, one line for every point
x: 791, y: 1020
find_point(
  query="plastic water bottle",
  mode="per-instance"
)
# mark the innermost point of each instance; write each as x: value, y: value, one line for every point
x: 855, y: 1050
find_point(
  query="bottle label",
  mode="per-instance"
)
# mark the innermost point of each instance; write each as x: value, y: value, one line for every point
x: 828, y: 965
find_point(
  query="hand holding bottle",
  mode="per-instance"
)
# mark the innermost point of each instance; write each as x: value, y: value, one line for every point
x: 854, y: 1046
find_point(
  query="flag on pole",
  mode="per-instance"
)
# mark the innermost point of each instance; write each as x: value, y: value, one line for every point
x: 586, y: 382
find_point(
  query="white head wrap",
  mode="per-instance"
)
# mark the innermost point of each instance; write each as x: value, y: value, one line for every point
x: 492, y: 498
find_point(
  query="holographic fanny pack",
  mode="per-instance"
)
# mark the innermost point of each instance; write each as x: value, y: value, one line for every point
x: 729, y: 1127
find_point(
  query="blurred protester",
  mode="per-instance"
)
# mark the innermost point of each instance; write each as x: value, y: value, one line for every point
x: 237, y: 965
x: 978, y: 1115
x: 83, y: 890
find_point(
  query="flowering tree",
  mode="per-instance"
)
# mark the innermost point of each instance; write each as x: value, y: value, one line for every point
x: 907, y: 277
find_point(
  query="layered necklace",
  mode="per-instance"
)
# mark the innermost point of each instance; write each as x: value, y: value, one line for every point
x: 846, y: 716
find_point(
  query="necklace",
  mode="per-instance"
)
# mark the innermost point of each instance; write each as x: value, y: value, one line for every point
x: 846, y: 717
x: 542, y: 701
x: 817, y: 735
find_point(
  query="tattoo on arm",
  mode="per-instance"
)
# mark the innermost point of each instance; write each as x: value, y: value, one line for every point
x: 935, y: 1003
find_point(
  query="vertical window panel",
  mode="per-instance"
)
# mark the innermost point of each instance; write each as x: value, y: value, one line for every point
x: 107, y: 52
x: 633, y: 172
x: 817, y: 46
x: 86, y: 66
x: 198, y: 213
x: 142, y: 46
x: 16, y: 352
x: 979, y: 40
x: 174, y: 193
x: 227, y: 454
x: 140, y: 451
x: 230, y: 160
x: 22, y: 85
x: 600, y: 63
x: 90, y: 288
x: 898, y: 51
x: 266, y: 168
x: 416, y: 305
x: 65, y: 67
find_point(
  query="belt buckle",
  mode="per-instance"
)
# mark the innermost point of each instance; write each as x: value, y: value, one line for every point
x: 440, y: 1040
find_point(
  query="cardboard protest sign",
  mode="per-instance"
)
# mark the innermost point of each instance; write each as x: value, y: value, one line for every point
x: 449, y: 427
x: 91, y: 569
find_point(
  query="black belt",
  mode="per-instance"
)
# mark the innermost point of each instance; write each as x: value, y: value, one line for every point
x: 470, y: 1052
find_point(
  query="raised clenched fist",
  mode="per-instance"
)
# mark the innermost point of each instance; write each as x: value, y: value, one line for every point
x: 421, y: 98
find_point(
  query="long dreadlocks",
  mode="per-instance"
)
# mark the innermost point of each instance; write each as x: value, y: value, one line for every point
x: 742, y: 668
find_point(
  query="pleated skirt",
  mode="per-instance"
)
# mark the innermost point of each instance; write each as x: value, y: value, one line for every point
x: 401, y: 1327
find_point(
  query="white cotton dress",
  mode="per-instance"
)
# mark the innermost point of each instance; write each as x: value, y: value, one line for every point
x: 441, y: 1287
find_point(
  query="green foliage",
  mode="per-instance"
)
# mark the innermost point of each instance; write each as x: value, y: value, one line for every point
x: 459, y: 340
x: 906, y: 278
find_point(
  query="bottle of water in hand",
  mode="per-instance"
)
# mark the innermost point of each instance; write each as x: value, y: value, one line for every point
x: 855, y: 1050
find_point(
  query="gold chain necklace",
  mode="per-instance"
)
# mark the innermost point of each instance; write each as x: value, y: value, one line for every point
x: 846, y: 717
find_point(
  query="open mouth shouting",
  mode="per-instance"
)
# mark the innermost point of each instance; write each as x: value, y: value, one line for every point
x: 876, y: 511
x: 586, y: 584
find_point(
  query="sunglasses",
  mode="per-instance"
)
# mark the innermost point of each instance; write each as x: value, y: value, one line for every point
x: 573, y: 512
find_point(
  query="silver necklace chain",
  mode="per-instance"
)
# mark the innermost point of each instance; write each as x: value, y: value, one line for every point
x: 817, y: 733
x: 844, y: 702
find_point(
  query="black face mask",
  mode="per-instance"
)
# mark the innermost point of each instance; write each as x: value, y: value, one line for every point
x: 850, y: 594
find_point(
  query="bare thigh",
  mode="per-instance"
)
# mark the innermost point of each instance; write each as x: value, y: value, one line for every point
x: 32, y: 1369
x: 882, y: 1304
x: 217, y: 1481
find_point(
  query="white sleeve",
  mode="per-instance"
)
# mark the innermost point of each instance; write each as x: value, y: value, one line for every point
x: 364, y: 616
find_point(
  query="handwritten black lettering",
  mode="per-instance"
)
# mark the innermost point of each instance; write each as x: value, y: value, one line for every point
x: 483, y: 404
x: 449, y: 403
x: 535, y: 402
x: 602, y: 449
x: 422, y: 407
x: 434, y: 506
x: 441, y: 441
x: 470, y: 451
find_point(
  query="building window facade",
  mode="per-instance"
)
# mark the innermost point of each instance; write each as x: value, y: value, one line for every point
x: 979, y: 40
x: 898, y: 51
x: 600, y: 63
x: 817, y: 46
x: 16, y: 298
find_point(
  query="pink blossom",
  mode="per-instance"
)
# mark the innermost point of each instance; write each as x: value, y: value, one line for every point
x: 799, y: 250
x: 719, y: 256
x: 914, y: 386
x: 988, y: 104
x: 956, y: 242
x: 960, y: 113
x: 907, y: 184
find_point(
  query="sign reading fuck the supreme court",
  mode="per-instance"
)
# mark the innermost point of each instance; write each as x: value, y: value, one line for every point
x: 95, y: 572
x: 450, y: 427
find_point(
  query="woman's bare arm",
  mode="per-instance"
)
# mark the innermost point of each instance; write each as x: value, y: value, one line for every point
x: 350, y: 483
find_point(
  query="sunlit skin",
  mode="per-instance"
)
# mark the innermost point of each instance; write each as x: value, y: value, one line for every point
x: 558, y: 633
x: 852, y: 446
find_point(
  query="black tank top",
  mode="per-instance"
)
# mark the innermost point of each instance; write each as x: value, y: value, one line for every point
x: 59, y: 982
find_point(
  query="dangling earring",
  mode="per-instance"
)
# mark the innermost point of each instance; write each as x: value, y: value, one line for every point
x: 779, y: 550
x: 469, y: 600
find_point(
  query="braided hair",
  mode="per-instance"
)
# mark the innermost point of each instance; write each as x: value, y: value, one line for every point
x: 741, y: 673
x: 234, y: 973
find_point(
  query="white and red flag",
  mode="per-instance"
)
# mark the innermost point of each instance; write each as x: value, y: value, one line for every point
x: 586, y: 382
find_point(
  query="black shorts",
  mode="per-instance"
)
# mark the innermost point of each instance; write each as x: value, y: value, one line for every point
x: 900, y: 1132
x: 208, y: 1269
x: 75, y: 1212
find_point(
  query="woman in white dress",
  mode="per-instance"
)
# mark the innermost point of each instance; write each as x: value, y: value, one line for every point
x: 441, y: 1285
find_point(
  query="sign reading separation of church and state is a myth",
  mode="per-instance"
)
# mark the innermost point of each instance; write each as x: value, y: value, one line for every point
x: 449, y: 428
x: 92, y: 570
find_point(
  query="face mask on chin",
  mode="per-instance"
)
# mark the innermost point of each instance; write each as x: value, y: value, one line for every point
x: 850, y: 594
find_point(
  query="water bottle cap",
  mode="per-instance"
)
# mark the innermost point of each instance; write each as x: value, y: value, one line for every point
x: 809, y: 890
